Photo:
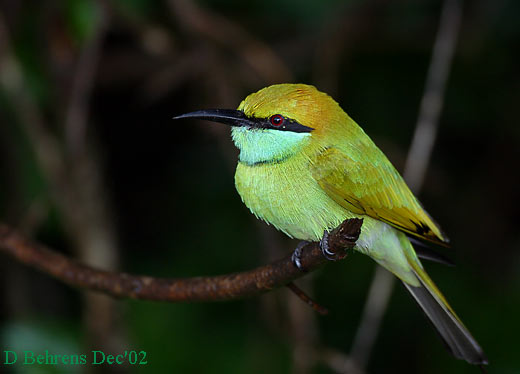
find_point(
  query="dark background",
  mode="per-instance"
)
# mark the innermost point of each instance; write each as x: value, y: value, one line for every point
x: 91, y: 164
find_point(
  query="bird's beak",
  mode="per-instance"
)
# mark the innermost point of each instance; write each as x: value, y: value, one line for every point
x: 227, y: 116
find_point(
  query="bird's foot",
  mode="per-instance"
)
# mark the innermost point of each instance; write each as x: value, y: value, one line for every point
x: 326, y: 250
x: 343, y: 237
x: 297, y: 254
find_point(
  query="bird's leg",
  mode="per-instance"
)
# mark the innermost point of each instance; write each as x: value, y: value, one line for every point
x: 297, y: 254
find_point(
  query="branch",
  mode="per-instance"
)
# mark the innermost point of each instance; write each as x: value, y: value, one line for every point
x: 222, y: 287
x: 433, y: 97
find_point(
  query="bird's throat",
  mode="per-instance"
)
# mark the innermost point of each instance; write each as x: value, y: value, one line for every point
x: 262, y: 146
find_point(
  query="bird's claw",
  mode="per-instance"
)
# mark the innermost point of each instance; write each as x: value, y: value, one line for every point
x: 352, y: 238
x: 297, y: 255
x: 325, y: 248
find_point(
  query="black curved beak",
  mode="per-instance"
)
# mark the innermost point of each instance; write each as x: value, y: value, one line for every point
x: 227, y: 116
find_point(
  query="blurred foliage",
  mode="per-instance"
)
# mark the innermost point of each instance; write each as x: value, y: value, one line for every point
x: 169, y: 188
x: 82, y: 17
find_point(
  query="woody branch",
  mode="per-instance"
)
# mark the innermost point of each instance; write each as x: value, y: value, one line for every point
x: 223, y: 287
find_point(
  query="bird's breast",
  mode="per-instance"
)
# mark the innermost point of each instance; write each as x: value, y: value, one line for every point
x: 286, y: 195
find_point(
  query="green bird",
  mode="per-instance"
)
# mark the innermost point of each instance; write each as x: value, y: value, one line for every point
x: 305, y: 166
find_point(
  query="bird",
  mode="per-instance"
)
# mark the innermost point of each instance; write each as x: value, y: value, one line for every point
x: 305, y: 166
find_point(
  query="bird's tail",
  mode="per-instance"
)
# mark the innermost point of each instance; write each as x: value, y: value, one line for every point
x: 455, y: 335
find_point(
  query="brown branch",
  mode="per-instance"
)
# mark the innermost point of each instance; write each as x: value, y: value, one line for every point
x: 222, y: 287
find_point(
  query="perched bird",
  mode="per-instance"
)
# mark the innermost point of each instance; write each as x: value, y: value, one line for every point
x: 305, y: 166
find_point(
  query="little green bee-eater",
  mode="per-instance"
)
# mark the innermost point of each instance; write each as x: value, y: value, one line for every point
x: 305, y: 166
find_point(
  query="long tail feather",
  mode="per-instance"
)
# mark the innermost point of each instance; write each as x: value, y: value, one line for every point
x: 456, y: 336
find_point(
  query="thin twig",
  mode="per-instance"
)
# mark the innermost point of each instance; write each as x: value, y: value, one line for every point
x: 223, y: 287
x: 89, y: 211
x: 373, y: 312
x: 76, y: 116
x: 433, y: 97
x: 264, y: 61
x: 415, y: 169
x: 306, y: 299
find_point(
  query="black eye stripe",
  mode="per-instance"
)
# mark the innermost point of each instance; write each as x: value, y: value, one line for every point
x: 280, y: 123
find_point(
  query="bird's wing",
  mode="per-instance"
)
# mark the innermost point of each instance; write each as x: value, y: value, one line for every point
x: 370, y: 185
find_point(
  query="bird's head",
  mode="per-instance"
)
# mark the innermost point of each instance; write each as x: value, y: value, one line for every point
x: 276, y: 122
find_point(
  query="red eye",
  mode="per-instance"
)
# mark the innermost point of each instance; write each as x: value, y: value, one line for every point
x: 276, y: 120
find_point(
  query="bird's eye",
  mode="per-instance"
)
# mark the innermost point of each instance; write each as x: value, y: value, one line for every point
x: 276, y: 120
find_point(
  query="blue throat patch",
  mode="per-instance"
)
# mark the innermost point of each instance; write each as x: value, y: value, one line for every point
x: 261, y: 146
